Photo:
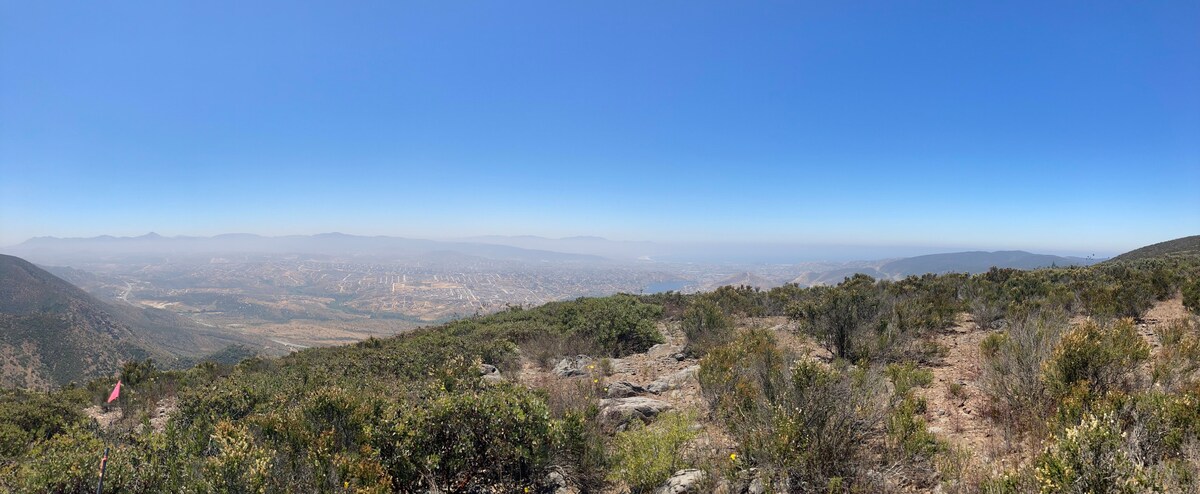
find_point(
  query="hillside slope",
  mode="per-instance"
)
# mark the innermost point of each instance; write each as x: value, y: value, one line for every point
x: 52, y: 333
x: 974, y: 262
x: 1180, y: 246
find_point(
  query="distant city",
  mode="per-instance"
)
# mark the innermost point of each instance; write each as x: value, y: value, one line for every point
x: 300, y: 291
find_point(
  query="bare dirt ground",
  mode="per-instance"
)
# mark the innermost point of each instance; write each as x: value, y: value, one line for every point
x: 956, y: 402
x: 1162, y: 314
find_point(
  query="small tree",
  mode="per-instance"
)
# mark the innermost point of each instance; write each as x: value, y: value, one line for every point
x: 838, y: 316
x: 706, y: 326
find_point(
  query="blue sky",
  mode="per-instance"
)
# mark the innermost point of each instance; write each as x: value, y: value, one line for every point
x: 1051, y: 126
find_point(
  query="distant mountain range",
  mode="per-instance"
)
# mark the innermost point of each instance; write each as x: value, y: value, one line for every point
x: 53, y: 333
x: 955, y: 262
x: 50, y: 249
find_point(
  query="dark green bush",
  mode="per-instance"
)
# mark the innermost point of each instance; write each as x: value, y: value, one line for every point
x: 799, y: 421
x: 706, y: 326
x: 842, y: 317
x: 496, y: 436
x: 619, y: 324
x: 1191, y: 295
x: 27, y: 417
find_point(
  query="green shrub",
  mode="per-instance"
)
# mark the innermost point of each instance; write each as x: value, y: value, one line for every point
x: 239, y: 463
x: 1102, y: 356
x: 27, y: 417
x: 499, y: 435
x: 1165, y: 425
x: 1012, y: 376
x: 619, y: 324
x: 925, y: 302
x: 1090, y: 458
x: 908, y: 434
x: 1177, y: 365
x: 1191, y: 295
x: 842, y: 317
x: 706, y: 326
x: 645, y: 456
x: 579, y: 445
x: 739, y: 377
x: 907, y: 376
x: 797, y: 420
x: 67, y: 462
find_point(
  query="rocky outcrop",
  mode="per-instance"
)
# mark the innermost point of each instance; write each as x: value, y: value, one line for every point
x: 573, y: 366
x: 490, y: 373
x: 617, y: 413
x: 684, y: 481
x: 624, y: 389
x: 673, y: 381
x: 556, y: 482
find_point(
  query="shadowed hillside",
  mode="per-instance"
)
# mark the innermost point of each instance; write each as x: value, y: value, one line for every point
x: 53, y: 333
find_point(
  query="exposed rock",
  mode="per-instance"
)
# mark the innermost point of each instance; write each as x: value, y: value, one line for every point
x: 663, y: 350
x: 104, y: 418
x: 624, y: 389
x: 556, y: 482
x: 673, y: 381
x: 618, y: 412
x: 572, y: 366
x: 679, y: 356
x: 617, y: 365
x: 684, y: 481
x: 749, y: 482
x: 166, y: 407
x: 490, y: 373
x: 657, y: 348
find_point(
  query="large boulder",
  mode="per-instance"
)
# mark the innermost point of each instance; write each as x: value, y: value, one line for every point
x: 573, y: 366
x: 616, y: 413
x: 684, y: 481
x: 673, y: 381
x: 490, y: 373
x: 624, y: 389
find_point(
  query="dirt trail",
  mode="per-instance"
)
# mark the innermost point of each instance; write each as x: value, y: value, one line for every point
x: 1160, y: 315
x: 956, y: 401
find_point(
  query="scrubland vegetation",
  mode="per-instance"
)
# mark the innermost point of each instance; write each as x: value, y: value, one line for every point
x: 1082, y: 395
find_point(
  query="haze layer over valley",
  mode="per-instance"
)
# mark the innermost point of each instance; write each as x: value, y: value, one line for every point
x: 299, y: 291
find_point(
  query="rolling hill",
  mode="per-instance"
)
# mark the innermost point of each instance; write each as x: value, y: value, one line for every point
x: 954, y: 262
x: 1180, y: 246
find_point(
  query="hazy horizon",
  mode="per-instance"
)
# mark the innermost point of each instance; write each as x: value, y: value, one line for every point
x: 731, y: 251
x: 1047, y: 128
